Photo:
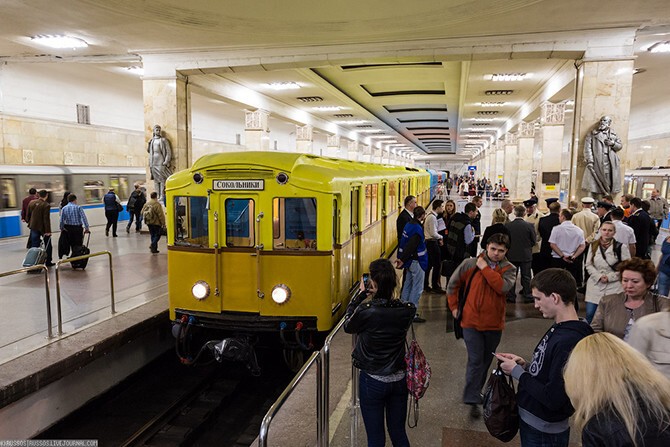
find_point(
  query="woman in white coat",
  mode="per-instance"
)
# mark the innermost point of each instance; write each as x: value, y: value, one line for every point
x: 601, y: 261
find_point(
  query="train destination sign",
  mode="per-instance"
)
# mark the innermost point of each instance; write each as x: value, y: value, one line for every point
x: 238, y: 185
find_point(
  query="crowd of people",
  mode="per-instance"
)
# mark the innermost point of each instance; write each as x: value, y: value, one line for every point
x: 610, y: 370
x: 73, y: 223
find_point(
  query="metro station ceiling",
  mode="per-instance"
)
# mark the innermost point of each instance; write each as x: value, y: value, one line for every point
x: 436, y: 107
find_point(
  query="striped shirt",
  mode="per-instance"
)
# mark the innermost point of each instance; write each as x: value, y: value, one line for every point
x: 73, y: 214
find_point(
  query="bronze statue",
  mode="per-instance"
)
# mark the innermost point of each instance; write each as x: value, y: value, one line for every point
x: 603, y: 170
x: 160, y: 155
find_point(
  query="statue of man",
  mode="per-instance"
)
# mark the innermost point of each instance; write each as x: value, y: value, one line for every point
x: 160, y: 155
x: 603, y: 170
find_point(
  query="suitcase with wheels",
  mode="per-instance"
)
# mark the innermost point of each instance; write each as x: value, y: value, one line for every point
x: 81, y: 250
x: 36, y: 255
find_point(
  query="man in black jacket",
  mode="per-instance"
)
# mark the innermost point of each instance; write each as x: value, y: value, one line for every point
x: 405, y: 215
x: 640, y: 222
x: 544, y: 407
x: 522, y: 241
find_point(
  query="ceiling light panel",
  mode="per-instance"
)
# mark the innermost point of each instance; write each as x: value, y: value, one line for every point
x: 493, y: 104
x: 507, y: 77
x: 498, y: 92
x: 327, y: 108
x: 660, y: 47
x: 283, y: 85
x: 59, y: 41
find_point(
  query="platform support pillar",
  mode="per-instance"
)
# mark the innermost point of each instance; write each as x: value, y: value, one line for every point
x: 524, y: 179
x: 257, y: 130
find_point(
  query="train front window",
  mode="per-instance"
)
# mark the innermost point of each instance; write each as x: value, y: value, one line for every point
x: 647, y: 188
x: 8, y: 191
x: 120, y: 185
x: 240, y: 223
x: 191, y: 227
x: 294, y: 223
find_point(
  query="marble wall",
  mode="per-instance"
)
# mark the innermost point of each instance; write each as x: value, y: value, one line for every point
x: 648, y: 152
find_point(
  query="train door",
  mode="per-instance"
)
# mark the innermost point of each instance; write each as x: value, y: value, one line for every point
x: 239, y: 256
x: 385, y: 207
x: 355, y: 226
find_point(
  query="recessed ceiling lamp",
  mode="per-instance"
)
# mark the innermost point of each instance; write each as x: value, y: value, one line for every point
x: 498, y: 92
x: 59, y: 41
x: 380, y: 137
x: 507, y: 77
x: 283, y: 85
x: 493, y: 104
x: 660, y: 47
x: 327, y: 108
x: 370, y: 131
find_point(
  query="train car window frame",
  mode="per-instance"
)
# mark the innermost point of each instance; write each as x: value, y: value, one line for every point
x: 8, y: 191
x: 240, y: 224
x: 647, y: 188
x: 120, y: 185
x: 664, y: 188
x: 94, y: 191
x: 297, y: 229
x: 371, y: 200
x: 191, y: 221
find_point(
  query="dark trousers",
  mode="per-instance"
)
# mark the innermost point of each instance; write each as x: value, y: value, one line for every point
x: 75, y: 235
x: 434, y: 259
x: 378, y: 398
x: 536, y: 265
x: 35, y: 240
x: 525, y: 268
x: 571, y: 267
x: 480, y: 346
x: 137, y: 216
x: 155, y: 232
x: 112, y: 220
x: 532, y: 437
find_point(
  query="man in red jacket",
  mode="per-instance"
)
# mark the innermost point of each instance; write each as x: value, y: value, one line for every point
x: 490, y: 276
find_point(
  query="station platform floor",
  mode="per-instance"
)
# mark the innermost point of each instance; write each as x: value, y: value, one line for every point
x: 29, y: 361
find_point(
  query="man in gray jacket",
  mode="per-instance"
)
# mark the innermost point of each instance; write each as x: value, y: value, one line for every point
x: 522, y: 240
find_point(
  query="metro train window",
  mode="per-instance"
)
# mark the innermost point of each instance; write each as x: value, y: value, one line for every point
x: 647, y: 188
x: 294, y: 223
x: 393, y: 199
x: 8, y: 191
x: 240, y: 223
x: 120, y: 185
x: 370, y: 204
x: 94, y: 191
x: 664, y: 188
x: 55, y: 190
x: 191, y: 226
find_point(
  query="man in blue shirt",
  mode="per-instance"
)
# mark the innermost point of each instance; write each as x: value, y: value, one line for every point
x: 73, y: 221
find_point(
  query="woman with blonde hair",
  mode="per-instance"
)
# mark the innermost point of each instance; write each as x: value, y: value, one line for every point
x: 497, y: 226
x: 620, y: 399
x: 602, y: 260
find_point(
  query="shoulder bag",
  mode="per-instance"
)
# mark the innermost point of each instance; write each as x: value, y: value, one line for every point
x: 501, y: 413
x: 418, y: 378
x: 462, y: 296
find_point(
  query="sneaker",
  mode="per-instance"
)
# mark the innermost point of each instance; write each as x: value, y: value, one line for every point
x: 127, y: 229
x: 107, y: 233
x: 155, y: 251
x: 49, y: 264
x: 475, y: 412
x: 418, y: 319
x: 427, y: 290
x: 438, y: 290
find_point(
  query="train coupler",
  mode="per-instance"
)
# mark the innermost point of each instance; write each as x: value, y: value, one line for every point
x: 237, y: 350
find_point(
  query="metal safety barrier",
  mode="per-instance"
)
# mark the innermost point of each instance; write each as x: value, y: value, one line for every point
x: 267, y: 420
x: 45, y: 270
x: 80, y: 258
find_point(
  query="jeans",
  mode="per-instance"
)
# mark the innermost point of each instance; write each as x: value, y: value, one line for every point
x: 663, y: 284
x: 411, y: 290
x: 590, y: 311
x: 531, y: 437
x: 36, y: 239
x: 376, y: 399
x: 480, y: 346
x: 155, y: 232
x: 137, y: 215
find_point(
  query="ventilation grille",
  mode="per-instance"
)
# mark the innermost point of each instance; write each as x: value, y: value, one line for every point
x: 83, y: 114
x: 309, y: 99
x: 498, y: 92
x: 343, y: 115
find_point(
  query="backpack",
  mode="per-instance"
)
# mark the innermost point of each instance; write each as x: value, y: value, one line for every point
x: 501, y: 413
x: 418, y: 378
x: 131, y: 201
x: 148, y: 215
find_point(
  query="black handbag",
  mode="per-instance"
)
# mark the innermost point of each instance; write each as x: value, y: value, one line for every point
x: 501, y: 413
x: 462, y: 296
x: 119, y: 207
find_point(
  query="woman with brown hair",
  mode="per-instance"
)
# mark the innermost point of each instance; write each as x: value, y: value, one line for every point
x: 602, y: 260
x: 620, y: 399
x: 617, y: 313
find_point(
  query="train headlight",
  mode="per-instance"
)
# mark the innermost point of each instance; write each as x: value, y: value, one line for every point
x: 200, y: 290
x: 281, y: 293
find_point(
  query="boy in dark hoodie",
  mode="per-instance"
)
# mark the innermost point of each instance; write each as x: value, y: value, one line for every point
x: 544, y: 407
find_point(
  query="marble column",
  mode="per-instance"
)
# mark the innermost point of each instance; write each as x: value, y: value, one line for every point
x: 304, y: 139
x: 526, y: 137
x: 167, y: 103
x: 603, y: 88
x: 257, y: 130
x: 550, y: 136
x: 366, y: 153
x: 500, y: 161
x: 511, y: 161
x: 333, y: 146
x: 352, y: 151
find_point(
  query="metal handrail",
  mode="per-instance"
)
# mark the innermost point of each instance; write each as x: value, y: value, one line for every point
x: 45, y: 270
x: 80, y: 258
x: 267, y: 420
x: 325, y: 354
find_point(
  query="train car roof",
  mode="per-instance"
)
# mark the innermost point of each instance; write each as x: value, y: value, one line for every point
x: 64, y: 170
x: 304, y: 168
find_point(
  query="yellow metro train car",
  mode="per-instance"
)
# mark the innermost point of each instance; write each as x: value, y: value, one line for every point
x: 263, y: 242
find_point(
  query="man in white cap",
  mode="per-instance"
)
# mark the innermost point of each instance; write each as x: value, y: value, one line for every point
x: 589, y: 223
